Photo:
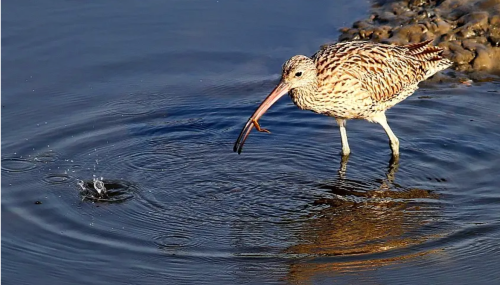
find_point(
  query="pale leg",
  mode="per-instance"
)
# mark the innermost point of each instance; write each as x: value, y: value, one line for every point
x: 382, y: 120
x: 343, y: 134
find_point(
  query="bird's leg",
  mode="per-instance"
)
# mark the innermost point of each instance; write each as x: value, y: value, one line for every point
x: 382, y: 120
x: 392, y: 169
x: 343, y: 166
x: 343, y: 134
x: 257, y: 126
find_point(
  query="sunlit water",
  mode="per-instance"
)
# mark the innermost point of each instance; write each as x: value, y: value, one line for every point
x: 145, y: 99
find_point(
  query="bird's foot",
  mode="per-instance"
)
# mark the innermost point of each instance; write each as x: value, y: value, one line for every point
x: 257, y: 126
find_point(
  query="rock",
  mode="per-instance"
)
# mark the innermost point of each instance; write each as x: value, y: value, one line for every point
x: 468, y: 30
x: 487, y: 59
x: 494, y: 35
x: 460, y: 55
x: 361, y: 25
x: 441, y: 27
x: 495, y: 20
x: 473, y: 24
x: 380, y: 33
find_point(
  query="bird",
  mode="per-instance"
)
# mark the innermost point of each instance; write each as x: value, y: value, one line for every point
x: 352, y: 80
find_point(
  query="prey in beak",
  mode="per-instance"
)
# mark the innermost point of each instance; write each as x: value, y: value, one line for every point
x: 253, y: 121
x: 299, y: 73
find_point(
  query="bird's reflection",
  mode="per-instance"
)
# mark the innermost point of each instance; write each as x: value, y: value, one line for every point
x: 360, y: 220
x: 391, y: 169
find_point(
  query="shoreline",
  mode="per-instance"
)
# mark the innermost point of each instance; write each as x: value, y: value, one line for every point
x: 468, y: 31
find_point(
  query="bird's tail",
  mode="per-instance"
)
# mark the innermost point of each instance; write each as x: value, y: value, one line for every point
x: 431, y: 57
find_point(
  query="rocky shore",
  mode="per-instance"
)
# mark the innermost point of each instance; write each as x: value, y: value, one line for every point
x: 468, y: 30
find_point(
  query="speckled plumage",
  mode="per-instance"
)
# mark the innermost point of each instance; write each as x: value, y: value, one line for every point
x: 354, y: 80
x: 357, y: 80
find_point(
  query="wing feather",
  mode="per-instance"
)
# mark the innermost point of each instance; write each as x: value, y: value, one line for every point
x: 382, y: 71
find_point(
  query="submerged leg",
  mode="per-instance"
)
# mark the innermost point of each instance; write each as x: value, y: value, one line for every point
x: 343, y: 166
x: 382, y: 120
x: 392, y: 169
x: 343, y: 134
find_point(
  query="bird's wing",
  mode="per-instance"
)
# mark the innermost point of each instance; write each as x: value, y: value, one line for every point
x: 382, y: 71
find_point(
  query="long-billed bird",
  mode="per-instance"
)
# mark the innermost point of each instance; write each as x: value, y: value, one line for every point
x: 352, y: 80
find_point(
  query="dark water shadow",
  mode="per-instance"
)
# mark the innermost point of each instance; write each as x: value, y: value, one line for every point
x: 364, y: 224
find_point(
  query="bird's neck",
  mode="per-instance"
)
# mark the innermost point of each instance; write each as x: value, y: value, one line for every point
x: 305, y: 97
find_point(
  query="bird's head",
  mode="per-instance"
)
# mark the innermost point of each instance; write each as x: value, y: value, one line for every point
x: 298, y: 72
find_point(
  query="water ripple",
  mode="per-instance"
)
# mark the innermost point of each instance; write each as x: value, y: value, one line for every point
x: 57, y: 178
x: 116, y: 191
x: 130, y: 107
x: 46, y: 157
x: 16, y: 164
x: 287, y: 199
x: 154, y: 161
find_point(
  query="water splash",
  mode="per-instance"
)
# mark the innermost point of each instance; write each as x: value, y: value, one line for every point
x: 101, y: 190
x: 99, y: 186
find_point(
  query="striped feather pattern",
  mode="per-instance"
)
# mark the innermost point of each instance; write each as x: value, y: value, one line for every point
x: 361, y: 79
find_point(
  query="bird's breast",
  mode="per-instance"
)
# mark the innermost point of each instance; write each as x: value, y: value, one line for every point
x: 348, y: 103
x: 302, y: 99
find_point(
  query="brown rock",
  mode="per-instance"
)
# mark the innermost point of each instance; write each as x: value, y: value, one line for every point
x: 494, y: 35
x: 483, y: 59
x: 365, y: 34
x: 487, y: 59
x: 475, y: 23
x: 495, y: 20
x: 344, y: 30
x: 380, y: 34
x: 441, y: 27
x: 460, y: 55
x: 467, y: 30
x: 361, y: 25
x: 474, y: 44
x: 488, y: 5
x: 451, y: 36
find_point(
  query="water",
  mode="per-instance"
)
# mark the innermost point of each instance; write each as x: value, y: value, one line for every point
x: 151, y: 95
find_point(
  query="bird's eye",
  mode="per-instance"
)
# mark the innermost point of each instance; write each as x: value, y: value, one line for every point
x: 298, y: 74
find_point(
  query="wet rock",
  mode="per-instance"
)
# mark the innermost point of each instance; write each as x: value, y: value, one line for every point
x: 495, y: 20
x: 350, y: 35
x: 458, y: 54
x: 441, y: 27
x: 361, y: 25
x: 474, y: 44
x: 473, y: 24
x: 494, y: 35
x: 380, y: 33
x: 468, y: 30
x: 487, y: 59
x: 489, y: 5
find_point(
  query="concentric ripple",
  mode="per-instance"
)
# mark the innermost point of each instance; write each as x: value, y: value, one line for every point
x: 176, y: 202
x: 16, y: 164
x: 57, y: 178
x: 175, y: 241
x: 47, y: 157
x: 157, y: 161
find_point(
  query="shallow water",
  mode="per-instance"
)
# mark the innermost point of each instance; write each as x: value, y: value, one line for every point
x: 151, y: 96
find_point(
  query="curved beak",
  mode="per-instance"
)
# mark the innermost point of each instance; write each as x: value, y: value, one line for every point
x: 277, y: 93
